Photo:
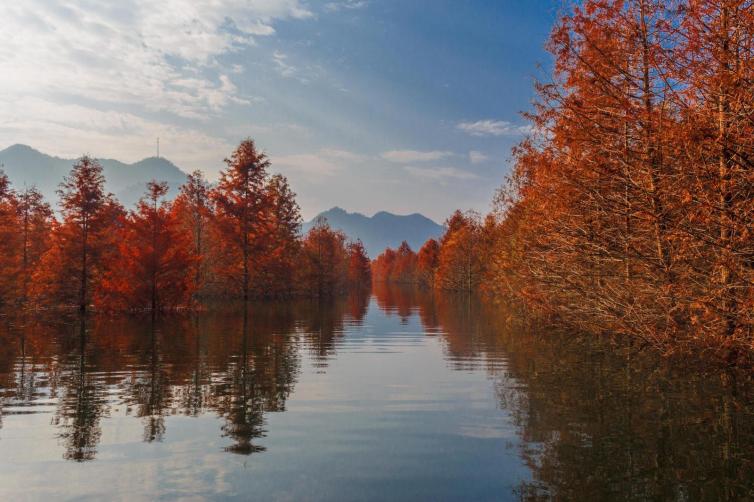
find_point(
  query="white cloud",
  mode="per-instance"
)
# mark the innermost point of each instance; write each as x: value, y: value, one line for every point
x: 304, y: 74
x: 159, y: 55
x: 345, y: 5
x: 283, y: 67
x: 117, y: 74
x: 73, y: 130
x: 314, y: 166
x: 441, y: 174
x: 404, y: 156
x: 493, y: 128
x: 476, y: 157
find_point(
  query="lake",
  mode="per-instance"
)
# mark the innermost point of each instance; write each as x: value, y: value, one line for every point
x: 397, y: 395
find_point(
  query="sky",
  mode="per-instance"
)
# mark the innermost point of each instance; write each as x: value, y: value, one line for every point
x: 398, y: 105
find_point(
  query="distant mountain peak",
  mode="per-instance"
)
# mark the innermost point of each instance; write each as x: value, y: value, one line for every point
x: 19, y: 147
x: 334, y: 210
x: 382, y: 230
x: 25, y: 165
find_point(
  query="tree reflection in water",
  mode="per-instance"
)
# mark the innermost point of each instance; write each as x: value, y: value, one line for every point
x: 81, y: 404
x: 596, y: 420
x: 600, y: 420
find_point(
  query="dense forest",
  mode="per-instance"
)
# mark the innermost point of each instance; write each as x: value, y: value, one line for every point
x: 239, y: 239
x: 630, y: 208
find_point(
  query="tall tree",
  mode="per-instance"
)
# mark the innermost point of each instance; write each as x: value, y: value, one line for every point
x: 84, y: 243
x: 8, y: 240
x: 428, y: 259
x: 325, y: 264
x: 239, y: 200
x: 716, y: 64
x: 278, y: 247
x: 192, y: 208
x: 459, y: 267
x: 404, y: 270
x: 155, y: 271
x: 359, y: 266
x: 35, y: 220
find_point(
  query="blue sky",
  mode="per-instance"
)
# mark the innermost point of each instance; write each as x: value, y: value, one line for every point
x: 399, y: 105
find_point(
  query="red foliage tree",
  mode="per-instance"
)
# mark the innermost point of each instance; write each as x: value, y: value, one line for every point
x: 192, y: 209
x: 9, y: 255
x: 274, y: 274
x: 84, y: 243
x: 155, y: 264
x: 359, y: 265
x: 459, y: 262
x: 383, y: 265
x: 240, y: 225
x: 35, y: 224
x: 325, y: 261
x: 428, y: 259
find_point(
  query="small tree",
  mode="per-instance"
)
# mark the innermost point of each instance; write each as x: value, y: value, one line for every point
x: 428, y: 260
x: 359, y: 267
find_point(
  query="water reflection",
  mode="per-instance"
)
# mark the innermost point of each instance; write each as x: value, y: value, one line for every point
x: 600, y: 421
x: 588, y: 420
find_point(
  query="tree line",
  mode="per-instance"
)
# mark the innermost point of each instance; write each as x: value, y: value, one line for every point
x: 630, y: 207
x: 455, y: 262
x: 239, y: 239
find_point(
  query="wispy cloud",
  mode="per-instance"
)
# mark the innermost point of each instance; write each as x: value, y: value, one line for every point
x: 317, y: 165
x: 345, y: 5
x: 493, y: 128
x: 441, y: 174
x: 159, y: 55
x: 476, y: 157
x: 75, y: 129
x: 151, y: 67
x: 406, y: 156
x: 283, y: 67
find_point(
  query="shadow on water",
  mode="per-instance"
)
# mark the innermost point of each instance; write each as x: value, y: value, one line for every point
x: 594, y: 420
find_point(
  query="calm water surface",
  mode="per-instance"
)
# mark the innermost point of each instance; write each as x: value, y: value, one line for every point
x: 399, y: 396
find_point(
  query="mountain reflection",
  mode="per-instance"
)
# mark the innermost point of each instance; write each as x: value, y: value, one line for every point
x: 594, y: 420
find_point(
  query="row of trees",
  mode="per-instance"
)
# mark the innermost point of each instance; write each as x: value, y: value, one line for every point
x: 631, y: 208
x: 237, y: 239
x: 455, y: 262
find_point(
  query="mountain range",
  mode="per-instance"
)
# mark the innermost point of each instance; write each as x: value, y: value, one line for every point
x: 26, y: 166
x: 381, y: 230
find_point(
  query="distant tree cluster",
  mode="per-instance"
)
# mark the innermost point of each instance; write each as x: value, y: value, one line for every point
x: 238, y: 239
x: 630, y: 208
x: 455, y: 263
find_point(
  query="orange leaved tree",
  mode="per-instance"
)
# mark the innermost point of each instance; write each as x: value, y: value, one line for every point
x: 428, y: 260
x: 193, y: 211
x: 325, y: 263
x: 459, y: 265
x: 35, y: 224
x: 83, y: 246
x: 359, y: 266
x: 155, y: 268
x: 239, y: 200
x: 9, y: 250
x: 278, y: 243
